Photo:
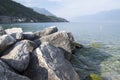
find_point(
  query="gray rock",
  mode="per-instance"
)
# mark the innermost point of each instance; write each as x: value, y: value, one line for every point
x: 2, y: 32
x: 63, y: 40
x: 34, y: 70
x: 18, y: 57
x: 14, y: 30
x: 7, y: 74
x: 17, y: 36
x: 6, y: 41
x: 29, y: 35
x: 52, y: 60
x: 46, y: 31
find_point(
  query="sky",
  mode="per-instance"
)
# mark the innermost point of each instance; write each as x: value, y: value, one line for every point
x: 71, y: 9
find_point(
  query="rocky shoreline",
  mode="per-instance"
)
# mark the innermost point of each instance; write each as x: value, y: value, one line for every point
x: 42, y: 55
x: 47, y: 54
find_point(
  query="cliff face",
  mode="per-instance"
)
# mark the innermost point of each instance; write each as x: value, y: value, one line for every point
x: 20, y: 13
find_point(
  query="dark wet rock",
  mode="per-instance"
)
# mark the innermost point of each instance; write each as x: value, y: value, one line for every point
x: 29, y: 36
x: 77, y: 45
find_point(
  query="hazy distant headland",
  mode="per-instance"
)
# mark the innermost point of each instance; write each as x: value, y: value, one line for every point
x: 11, y: 11
x: 43, y: 11
x: 104, y: 16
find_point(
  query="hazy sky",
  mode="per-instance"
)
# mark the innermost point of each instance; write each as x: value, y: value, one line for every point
x: 70, y: 9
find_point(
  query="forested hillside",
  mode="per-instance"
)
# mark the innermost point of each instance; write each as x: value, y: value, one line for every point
x: 18, y: 11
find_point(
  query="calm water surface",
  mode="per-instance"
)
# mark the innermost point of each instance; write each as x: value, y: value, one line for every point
x: 104, y: 38
x: 83, y: 32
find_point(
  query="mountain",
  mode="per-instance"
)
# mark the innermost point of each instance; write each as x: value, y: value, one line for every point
x: 43, y: 11
x: 112, y: 15
x: 49, y: 14
x: 10, y: 10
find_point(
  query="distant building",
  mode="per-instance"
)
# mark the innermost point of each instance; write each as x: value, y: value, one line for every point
x: 18, y: 20
x: 5, y: 19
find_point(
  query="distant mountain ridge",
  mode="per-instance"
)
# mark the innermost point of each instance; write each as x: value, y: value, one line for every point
x: 43, y: 11
x: 16, y: 12
x: 112, y: 15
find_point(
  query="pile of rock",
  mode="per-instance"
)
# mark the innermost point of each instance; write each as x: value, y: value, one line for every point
x: 42, y: 55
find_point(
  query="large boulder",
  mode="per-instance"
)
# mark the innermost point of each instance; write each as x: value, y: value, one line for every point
x: 18, y: 57
x: 34, y: 70
x: 46, y: 31
x: 63, y: 40
x: 14, y: 30
x: 7, y: 74
x: 54, y: 65
x: 6, y: 41
x: 2, y: 32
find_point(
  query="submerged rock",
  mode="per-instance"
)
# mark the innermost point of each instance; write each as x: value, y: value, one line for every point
x: 7, y: 74
x: 46, y: 31
x: 77, y: 45
x: 18, y: 57
x: 56, y: 67
x: 93, y: 76
x: 96, y: 45
x: 63, y: 40
x: 14, y: 30
x: 6, y: 41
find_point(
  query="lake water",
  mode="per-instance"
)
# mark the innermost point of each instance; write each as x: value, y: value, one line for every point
x: 101, y: 54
